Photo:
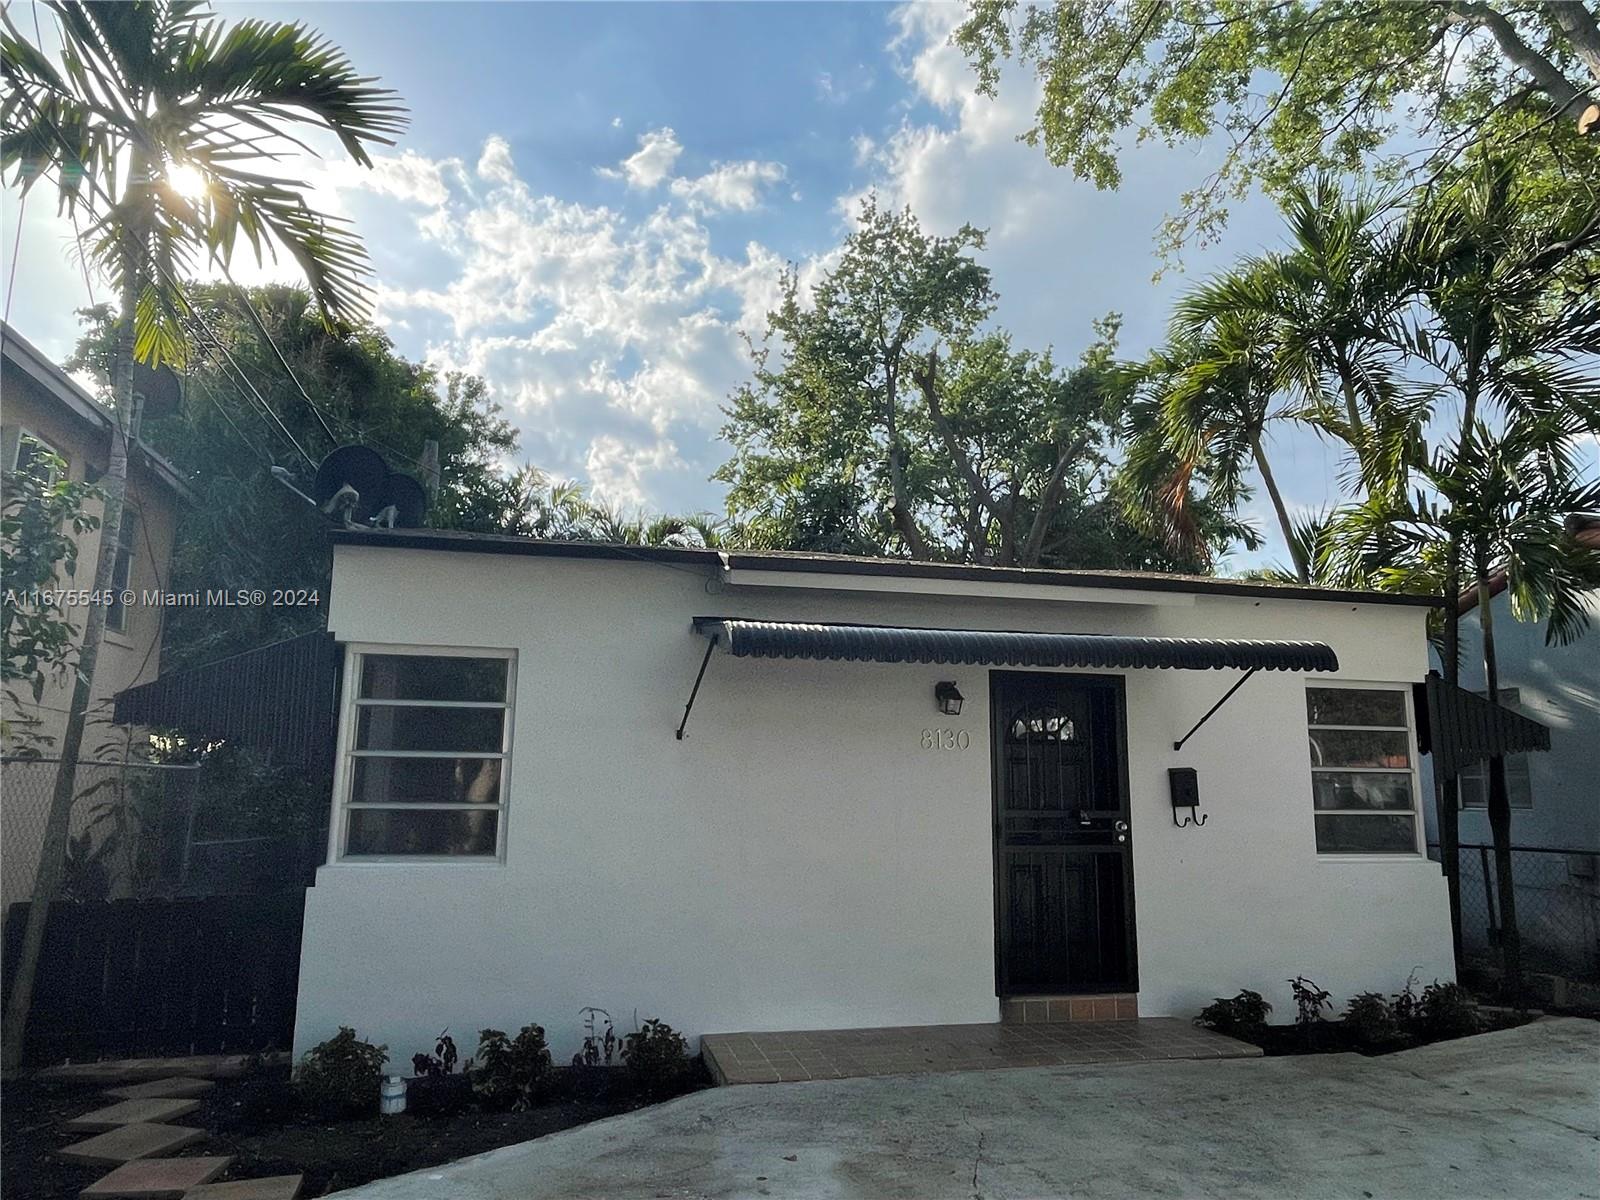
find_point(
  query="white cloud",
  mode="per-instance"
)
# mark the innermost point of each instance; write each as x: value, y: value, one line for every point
x: 495, y: 164
x: 406, y: 176
x: 729, y: 186
x: 651, y: 163
x: 610, y: 339
x: 616, y: 122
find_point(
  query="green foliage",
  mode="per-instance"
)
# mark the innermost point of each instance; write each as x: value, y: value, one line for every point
x: 1370, y: 1017
x: 1446, y: 1010
x: 511, y: 1072
x: 1243, y: 1016
x: 1309, y: 1000
x: 41, y: 519
x: 656, y: 1057
x: 144, y: 89
x: 340, y: 1078
x: 885, y: 416
x: 1392, y: 86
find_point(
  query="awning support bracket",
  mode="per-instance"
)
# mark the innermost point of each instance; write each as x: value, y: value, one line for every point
x: 695, y: 691
x: 1228, y: 695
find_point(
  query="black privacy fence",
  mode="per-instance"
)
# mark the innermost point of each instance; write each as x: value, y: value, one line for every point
x: 176, y: 925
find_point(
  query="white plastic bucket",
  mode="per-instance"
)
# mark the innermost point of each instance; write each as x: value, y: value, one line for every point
x: 392, y: 1096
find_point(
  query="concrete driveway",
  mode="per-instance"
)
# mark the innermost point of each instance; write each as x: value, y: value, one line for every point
x: 1513, y: 1114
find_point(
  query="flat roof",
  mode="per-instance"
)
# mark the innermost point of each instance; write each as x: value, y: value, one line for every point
x: 448, y: 540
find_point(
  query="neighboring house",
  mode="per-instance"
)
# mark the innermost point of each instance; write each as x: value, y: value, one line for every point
x: 1555, y: 797
x: 517, y: 833
x: 43, y: 409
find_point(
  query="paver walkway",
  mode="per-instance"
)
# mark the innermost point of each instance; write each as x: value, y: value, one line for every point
x: 136, y: 1138
x: 922, y: 1049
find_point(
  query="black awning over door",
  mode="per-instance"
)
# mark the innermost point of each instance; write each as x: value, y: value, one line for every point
x: 874, y: 643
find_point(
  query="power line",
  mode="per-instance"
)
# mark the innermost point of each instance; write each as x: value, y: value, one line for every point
x: 216, y: 343
x: 174, y: 285
x: 288, y: 370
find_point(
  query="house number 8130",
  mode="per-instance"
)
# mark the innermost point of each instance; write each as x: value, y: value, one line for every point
x: 946, y: 739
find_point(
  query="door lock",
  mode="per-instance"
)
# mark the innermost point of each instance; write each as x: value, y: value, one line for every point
x: 1122, y: 830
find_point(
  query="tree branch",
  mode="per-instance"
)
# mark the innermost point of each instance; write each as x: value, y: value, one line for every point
x: 1565, y: 96
x: 1049, y: 501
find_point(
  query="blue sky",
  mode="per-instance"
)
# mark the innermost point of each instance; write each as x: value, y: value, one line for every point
x: 593, y: 200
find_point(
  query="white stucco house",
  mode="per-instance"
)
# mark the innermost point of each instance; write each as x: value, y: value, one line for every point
x: 518, y: 832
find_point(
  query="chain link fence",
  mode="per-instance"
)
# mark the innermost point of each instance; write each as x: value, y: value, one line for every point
x: 1558, y: 909
x: 151, y: 831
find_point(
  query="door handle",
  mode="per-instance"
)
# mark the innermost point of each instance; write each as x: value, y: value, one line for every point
x: 1120, y: 826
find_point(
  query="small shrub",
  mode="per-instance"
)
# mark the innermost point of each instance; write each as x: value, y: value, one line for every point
x: 1309, y: 1000
x: 1445, y: 1011
x: 657, y: 1058
x: 597, y: 1046
x: 442, y: 1061
x: 511, y: 1071
x: 1244, y: 1016
x: 1371, y: 1019
x: 341, y: 1076
x: 1407, y: 1006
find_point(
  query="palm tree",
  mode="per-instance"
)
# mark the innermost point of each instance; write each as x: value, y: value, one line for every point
x: 1216, y: 382
x: 159, y: 128
x: 1500, y: 353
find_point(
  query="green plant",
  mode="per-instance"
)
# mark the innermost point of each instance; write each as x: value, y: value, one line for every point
x: 597, y: 1046
x: 1243, y: 1016
x: 657, y: 1058
x: 1370, y: 1017
x: 1446, y: 1010
x: 511, y: 1071
x: 341, y: 1076
x: 1309, y: 1001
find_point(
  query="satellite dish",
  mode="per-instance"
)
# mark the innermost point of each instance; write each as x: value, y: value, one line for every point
x: 359, y: 469
x: 407, y: 497
x: 159, y: 388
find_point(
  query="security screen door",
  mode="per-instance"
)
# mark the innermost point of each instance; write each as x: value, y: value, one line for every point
x: 1063, y: 854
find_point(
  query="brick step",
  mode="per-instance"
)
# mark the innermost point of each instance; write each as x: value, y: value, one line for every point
x: 1049, y: 1010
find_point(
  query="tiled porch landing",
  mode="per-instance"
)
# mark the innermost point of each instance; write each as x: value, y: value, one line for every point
x: 921, y: 1049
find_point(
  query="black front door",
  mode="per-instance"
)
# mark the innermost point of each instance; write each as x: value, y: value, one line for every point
x: 1063, y: 855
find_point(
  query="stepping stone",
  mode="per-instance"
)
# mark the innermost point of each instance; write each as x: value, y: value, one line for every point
x: 128, y: 1142
x: 176, y: 1088
x: 133, y: 1112
x: 274, y: 1187
x: 155, y: 1178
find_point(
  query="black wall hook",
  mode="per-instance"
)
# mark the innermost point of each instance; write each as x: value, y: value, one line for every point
x: 1184, y: 783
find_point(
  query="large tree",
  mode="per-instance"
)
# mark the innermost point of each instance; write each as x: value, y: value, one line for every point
x: 886, y: 415
x: 1295, y: 87
x: 245, y: 529
x: 162, y: 130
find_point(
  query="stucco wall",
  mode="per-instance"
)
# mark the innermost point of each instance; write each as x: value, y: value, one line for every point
x: 800, y: 861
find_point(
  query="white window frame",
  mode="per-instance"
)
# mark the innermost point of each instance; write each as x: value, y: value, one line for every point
x: 1417, y: 833
x: 131, y: 532
x: 350, y: 703
x: 27, y: 435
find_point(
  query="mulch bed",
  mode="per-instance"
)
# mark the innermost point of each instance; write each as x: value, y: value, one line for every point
x: 1336, y: 1037
x: 255, y: 1120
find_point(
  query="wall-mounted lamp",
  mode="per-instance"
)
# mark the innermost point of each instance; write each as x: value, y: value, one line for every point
x: 948, y: 698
